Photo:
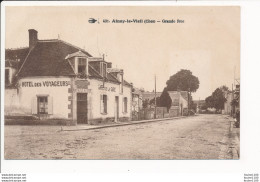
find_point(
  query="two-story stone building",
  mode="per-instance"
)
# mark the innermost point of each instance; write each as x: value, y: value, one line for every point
x: 52, y: 79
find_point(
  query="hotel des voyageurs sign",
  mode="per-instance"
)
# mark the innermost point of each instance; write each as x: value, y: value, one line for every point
x: 82, y: 85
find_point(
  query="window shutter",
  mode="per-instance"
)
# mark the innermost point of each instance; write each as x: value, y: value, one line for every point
x: 34, y: 105
x: 123, y: 105
x: 101, y: 104
x: 106, y: 104
x: 126, y: 104
x: 50, y: 105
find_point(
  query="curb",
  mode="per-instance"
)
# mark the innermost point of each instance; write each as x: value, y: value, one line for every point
x: 127, y: 124
x: 235, y: 142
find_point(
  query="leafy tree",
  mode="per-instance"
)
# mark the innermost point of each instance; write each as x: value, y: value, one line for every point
x: 217, y: 98
x: 145, y: 103
x: 165, y: 99
x: 157, y: 101
x: 183, y: 80
x: 209, y: 102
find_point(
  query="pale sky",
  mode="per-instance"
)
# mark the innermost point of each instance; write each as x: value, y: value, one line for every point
x: 207, y: 43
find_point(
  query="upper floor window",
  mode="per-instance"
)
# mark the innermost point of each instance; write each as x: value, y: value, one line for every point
x: 82, y: 65
x: 103, y: 69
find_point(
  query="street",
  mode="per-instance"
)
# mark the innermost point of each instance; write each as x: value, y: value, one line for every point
x: 196, y: 137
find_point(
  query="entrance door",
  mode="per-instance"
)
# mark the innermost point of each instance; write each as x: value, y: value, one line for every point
x: 82, y: 108
x: 116, y: 108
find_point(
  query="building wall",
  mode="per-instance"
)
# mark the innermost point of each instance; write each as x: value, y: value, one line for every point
x: 62, y: 98
x: 111, y: 90
x: 227, y: 104
x: 150, y: 95
x: 178, y: 103
x: 11, y: 103
x: 56, y: 88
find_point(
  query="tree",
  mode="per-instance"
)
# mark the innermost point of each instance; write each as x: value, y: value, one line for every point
x: 183, y: 80
x: 165, y: 99
x: 145, y: 103
x: 157, y: 101
x: 209, y: 102
x: 217, y: 98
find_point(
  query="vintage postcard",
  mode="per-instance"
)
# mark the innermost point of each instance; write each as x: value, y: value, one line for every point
x: 122, y: 82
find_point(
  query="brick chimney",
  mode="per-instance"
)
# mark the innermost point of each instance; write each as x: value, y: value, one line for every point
x: 33, y: 38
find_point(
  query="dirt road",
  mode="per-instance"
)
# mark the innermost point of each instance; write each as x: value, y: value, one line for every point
x: 198, y: 137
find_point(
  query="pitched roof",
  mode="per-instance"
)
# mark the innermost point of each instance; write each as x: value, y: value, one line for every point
x: 93, y: 73
x: 111, y: 78
x: 78, y: 54
x: 47, y: 58
x: 127, y: 84
x: 11, y: 63
x: 18, y: 54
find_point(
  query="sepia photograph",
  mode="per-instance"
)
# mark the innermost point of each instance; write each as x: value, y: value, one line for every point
x: 122, y: 82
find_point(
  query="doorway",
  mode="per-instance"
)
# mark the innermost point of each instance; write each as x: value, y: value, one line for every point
x: 116, y: 108
x: 82, y: 108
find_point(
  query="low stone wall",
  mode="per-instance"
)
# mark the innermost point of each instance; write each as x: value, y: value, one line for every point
x: 20, y: 121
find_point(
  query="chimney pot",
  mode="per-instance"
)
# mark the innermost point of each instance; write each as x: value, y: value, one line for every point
x: 33, y: 38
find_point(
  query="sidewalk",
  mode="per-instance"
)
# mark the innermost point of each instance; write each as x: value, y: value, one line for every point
x: 93, y: 127
x: 234, y: 143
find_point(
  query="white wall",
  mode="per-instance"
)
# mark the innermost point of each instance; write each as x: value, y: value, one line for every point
x: 12, y: 105
x: 94, y: 100
x: 59, y: 95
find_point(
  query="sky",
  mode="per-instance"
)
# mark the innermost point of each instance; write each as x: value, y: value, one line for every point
x: 207, y: 43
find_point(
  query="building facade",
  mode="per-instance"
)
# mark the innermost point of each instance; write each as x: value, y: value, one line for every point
x: 179, y: 106
x: 52, y: 79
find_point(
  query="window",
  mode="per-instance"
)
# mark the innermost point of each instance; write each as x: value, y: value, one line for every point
x: 7, y: 75
x: 125, y: 105
x: 42, y: 105
x: 82, y: 64
x: 103, y: 69
x: 103, y: 103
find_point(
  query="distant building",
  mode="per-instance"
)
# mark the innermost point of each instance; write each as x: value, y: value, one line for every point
x: 199, y: 104
x: 179, y: 106
x: 228, y: 103
x: 150, y: 95
x: 137, y: 100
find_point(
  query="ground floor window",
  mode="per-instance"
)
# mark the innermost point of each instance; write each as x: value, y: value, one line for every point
x: 42, y: 105
x: 125, y: 105
x: 103, y: 104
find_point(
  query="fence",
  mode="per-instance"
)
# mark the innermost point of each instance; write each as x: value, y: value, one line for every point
x: 148, y: 113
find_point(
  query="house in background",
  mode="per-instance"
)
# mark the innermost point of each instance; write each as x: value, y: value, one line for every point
x: 228, y: 104
x: 148, y: 96
x: 200, y: 104
x: 52, y: 79
x: 179, y: 106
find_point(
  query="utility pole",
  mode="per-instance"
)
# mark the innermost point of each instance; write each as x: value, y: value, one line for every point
x: 155, y: 97
x: 188, y: 102
x: 232, y: 112
x: 199, y: 105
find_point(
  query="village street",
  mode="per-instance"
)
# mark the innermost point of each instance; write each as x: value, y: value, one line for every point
x: 195, y: 137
